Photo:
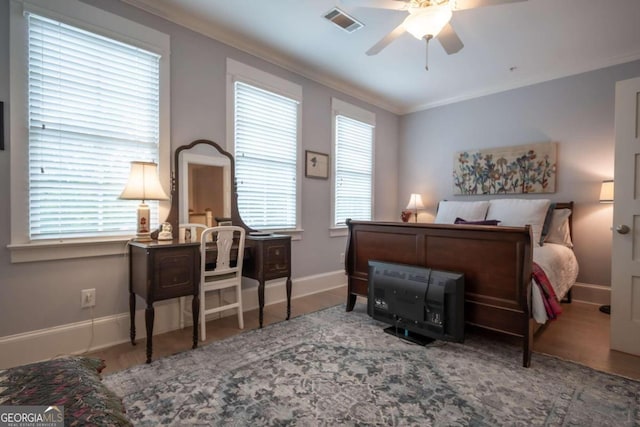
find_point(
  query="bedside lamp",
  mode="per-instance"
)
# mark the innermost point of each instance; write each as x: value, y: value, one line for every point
x: 606, y: 191
x: 415, y: 203
x: 143, y: 185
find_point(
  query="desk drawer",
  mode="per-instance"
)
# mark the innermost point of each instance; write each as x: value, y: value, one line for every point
x: 174, y: 272
x: 276, y: 259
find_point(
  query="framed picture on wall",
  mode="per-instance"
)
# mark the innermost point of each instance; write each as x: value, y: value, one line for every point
x: 316, y: 165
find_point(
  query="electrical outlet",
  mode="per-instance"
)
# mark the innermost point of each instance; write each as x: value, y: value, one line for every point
x: 87, y: 298
x: 342, y: 257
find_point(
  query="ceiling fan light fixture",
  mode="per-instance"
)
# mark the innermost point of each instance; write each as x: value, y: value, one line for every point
x: 427, y: 21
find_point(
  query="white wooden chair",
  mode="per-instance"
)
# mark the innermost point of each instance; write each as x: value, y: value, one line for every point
x: 191, y: 232
x: 225, y: 275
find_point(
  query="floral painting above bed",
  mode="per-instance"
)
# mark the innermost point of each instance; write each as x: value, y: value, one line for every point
x: 527, y: 168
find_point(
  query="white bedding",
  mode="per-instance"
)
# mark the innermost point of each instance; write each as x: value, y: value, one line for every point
x: 561, y: 267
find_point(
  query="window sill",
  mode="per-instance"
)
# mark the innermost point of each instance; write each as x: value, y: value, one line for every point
x: 338, y: 231
x: 296, y: 234
x: 67, y: 249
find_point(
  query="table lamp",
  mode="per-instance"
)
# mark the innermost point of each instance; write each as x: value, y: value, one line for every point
x: 606, y: 191
x: 143, y: 185
x: 415, y: 203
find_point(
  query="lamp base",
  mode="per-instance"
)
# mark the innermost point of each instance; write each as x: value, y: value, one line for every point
x: 143, y: 234
x: 143, y: 237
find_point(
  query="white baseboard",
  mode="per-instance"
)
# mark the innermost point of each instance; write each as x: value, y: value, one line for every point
x: 81, y: 337
x: 591, y: 294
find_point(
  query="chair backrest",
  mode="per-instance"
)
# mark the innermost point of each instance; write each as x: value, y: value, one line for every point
x: 226, y: 238
x: 191, y: 232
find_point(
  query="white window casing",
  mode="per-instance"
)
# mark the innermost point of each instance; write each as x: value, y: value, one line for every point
x: 264, y: 116
x: 56, y: 136
x: 353, y: 134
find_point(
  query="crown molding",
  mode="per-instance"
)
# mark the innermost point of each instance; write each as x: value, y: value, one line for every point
x: 540, y: 78
x: 261, y: 51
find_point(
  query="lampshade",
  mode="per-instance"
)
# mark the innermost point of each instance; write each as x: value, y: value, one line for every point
x: 427, y: 21
x: 606, y: 191
x: 415, y: 202
x: 143, y: 185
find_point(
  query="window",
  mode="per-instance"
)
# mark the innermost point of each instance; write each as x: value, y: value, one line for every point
x: 266, y: 139
x: 93, y: 108
x: 353, y: 163
x: 93, y: 104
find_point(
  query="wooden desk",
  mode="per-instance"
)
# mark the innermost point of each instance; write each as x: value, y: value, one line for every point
x: 171, y: 269
x: 270, y: 258
x: 160, y: 271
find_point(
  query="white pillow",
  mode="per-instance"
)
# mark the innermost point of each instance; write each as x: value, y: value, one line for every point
x: 448, y: 211
x: 520, y: 212
x: 559, y: 229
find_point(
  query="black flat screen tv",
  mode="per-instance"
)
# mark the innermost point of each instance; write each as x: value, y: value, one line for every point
x: 420, y: 304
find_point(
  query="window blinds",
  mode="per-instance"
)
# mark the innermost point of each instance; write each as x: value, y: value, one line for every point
x: 93, y: 108
x: 266, y: 144
x: 354, y: 165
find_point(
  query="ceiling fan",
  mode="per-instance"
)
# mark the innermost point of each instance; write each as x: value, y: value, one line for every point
x: 426, y: 19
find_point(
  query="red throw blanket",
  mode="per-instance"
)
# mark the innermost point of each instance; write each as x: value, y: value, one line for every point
x: 551, y: 304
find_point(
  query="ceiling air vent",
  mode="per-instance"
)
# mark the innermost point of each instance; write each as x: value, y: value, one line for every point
x: 343, y: 20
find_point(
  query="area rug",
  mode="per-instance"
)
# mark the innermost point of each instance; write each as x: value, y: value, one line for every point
x: 335, y: 368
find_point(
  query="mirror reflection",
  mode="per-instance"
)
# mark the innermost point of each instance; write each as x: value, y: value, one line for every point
x: 206, y: 194
x: 205, y: 185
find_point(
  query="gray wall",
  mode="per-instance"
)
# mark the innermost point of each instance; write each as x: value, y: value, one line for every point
x: 44, y: 294
x: 577, y: 112
x: 417, y: 149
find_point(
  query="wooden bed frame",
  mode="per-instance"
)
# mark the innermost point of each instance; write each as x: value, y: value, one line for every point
x: 496, y: 262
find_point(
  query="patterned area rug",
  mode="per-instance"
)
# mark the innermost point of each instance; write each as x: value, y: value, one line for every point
x: 336, y: 368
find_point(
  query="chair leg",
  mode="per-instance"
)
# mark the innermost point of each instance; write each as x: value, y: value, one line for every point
x: 203, y: 324
x: 240, y: 314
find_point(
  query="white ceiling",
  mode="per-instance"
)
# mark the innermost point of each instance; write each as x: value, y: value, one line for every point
x: 505, y: 46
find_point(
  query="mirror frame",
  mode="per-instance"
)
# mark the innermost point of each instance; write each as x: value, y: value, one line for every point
x: 174, y: 213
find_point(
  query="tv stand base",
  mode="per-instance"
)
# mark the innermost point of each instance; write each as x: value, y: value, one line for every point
x: 408, y: 335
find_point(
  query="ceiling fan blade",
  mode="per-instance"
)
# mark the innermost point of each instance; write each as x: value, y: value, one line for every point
x: 449, y: 40
x: 378, y: 4
x: 472, y: 4
x: 386, y: 40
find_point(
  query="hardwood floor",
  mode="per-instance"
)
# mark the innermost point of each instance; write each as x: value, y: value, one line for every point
x: 125, y: 355
x: 580, y: 334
